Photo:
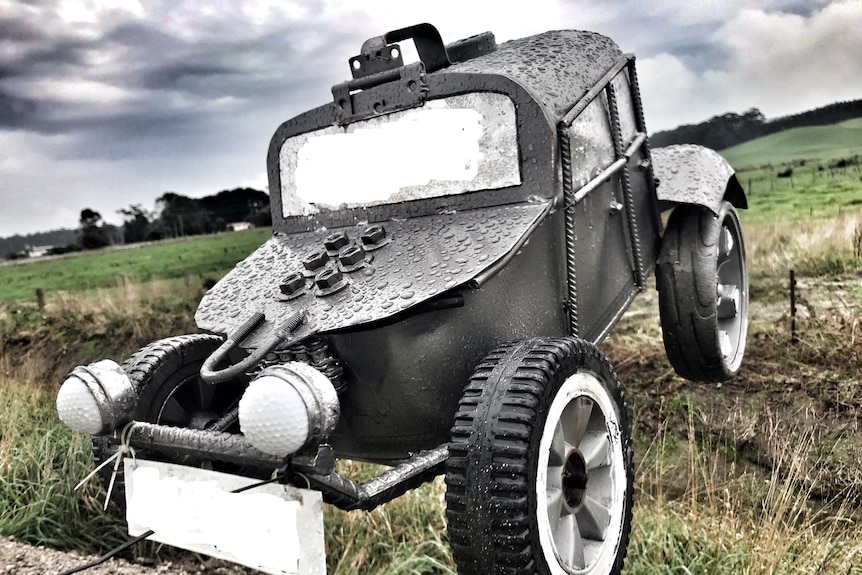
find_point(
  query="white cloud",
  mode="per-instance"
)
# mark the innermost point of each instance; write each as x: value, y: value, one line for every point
x: 784, y: 64
x: 672, y: 94
x: 778, y: 62
x: 70, y: 90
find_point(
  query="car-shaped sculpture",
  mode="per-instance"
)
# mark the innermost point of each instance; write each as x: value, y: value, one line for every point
x: 452, y: 238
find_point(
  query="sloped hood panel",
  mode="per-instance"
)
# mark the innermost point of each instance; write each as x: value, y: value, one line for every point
x: 424, y: 257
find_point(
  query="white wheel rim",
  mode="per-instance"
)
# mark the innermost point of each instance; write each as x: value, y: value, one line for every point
x: 731, y: 294
x: 580, y: 515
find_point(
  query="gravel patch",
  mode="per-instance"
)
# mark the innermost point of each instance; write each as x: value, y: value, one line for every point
x: 18, y: 558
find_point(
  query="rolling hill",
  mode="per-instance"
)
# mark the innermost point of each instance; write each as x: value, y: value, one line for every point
x: 824, y: 143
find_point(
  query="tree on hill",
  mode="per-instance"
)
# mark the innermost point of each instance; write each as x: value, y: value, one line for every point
x: 136, y: 223
x: 93, y: 235
x: 720, y: 132
x: 181, y: 216
x: 237, y: 205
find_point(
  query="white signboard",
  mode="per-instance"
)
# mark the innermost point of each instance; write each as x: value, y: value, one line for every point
x: 274, y: 528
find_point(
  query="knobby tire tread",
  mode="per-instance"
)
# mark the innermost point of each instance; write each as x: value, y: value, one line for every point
x: 491, y: 525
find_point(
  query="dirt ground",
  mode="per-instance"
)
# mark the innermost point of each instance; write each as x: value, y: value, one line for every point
x: 17, y: 558
x: 800, y: 396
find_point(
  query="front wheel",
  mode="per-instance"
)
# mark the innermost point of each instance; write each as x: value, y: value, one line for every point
x: 540, y: 475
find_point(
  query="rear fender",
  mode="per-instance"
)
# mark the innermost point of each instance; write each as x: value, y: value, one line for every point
x: 690, y: 174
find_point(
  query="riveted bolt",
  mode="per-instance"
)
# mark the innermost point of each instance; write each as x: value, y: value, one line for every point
x: 315, y: 261
x: 336, y: 241
x: 292, y: 284
x: 351, y: 255
x: 328, y: 279
x: 373, y: 235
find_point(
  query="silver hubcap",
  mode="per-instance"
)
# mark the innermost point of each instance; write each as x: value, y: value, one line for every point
x: 581, y: 478
x: 731, y: 295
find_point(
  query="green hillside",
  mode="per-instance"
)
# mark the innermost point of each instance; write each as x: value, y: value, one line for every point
x: 811, y: 143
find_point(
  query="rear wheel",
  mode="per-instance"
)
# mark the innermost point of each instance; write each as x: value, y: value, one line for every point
x: 166, y: 375
x: 539, y: 476
x: 702, y: 284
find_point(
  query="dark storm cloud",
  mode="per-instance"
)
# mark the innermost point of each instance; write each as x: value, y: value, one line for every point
x: 14, y: 30
x: 16, y: 112
x: 188, y: 76
x: 175, y: 86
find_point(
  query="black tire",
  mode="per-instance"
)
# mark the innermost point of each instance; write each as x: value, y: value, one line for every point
x: 166, y: 376
x: 541, y: 438
x: 702, y: 284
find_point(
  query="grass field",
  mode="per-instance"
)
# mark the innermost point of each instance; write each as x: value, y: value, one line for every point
x: 200, y: 257
x: 813, y: 185
x: 821, y: 144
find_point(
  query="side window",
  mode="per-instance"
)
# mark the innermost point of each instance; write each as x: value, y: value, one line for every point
x: 591, y: 144
x: 625, y: 107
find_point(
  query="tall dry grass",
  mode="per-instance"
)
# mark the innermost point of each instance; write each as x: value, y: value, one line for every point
x: 701, y: 509
x: 813, y: 247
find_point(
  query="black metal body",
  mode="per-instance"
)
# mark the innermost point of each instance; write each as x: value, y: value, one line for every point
x: 563, y: 252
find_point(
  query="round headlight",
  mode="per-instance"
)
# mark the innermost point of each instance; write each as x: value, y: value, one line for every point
x: 96, y: 399
x: 288, y: 407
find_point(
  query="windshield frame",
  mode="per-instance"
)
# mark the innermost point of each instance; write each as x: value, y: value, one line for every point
x: 536, y: 154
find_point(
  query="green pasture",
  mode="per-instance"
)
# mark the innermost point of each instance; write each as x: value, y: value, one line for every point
x: 201, y: 257
x: 816, y: 188
x: 814, y: 143
x: 809, y: 193
x: 801, y: 174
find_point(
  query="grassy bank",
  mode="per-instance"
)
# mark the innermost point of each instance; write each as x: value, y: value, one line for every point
x: 198, y: 259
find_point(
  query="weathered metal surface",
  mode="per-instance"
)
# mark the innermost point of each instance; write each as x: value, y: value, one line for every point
x: 405, y: 375
x: 690, y: 174
x: 424, y: 257
x: 557, y: 67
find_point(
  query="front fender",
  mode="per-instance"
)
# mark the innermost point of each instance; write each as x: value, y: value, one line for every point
x: 690, y: 174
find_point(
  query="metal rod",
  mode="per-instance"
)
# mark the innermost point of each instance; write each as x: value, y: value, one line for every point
x: 349, y: 495
x: 200, y: 444
x: 608, y: 172
x: 336, y: 489
x: 628, y: 194
x: 569, y: 201
x: 595, y: 90
x: 641, y: 125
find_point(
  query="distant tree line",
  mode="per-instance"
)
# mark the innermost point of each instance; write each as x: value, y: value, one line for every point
x: 720, y: 132
x: 174, y: 216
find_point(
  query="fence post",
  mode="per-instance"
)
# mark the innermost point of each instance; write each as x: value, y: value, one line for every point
x: 40, y: 298
x: 793, y: 336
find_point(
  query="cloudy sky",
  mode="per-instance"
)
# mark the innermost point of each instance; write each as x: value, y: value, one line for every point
x: 109, y: 103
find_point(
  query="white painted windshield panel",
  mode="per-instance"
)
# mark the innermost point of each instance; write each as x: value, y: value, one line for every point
x: 449, y: 146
